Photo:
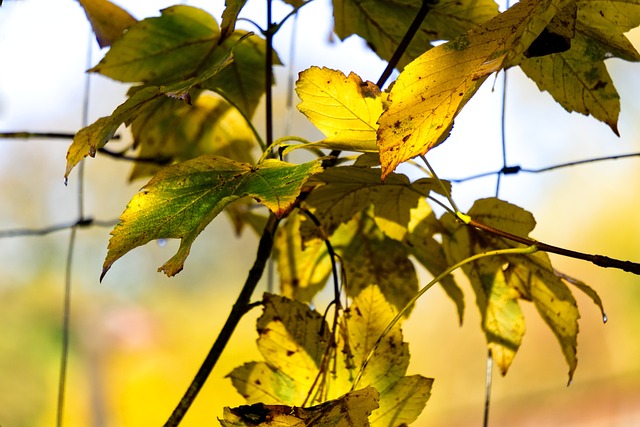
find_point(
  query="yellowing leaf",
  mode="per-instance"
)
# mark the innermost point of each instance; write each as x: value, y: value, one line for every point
x: 297, y: 346
x: 429, y: 252
x: 392, y: 271
x: 107, y: 20
x: 383, y: 23
x: 432, y: 90
x: 165, y: 49
x: 500, y: 281
x: 171, y: 129
x: 350, y: 410
x: 345, y: 109
x: 578, y: 78
x: 181, y: 200
x: 349, y: 190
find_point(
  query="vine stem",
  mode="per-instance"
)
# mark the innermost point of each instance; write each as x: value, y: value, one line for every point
x: 510, y: 251
x: 241, y: 306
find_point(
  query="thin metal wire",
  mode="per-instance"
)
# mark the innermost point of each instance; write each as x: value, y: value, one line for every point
x: 66, y: 309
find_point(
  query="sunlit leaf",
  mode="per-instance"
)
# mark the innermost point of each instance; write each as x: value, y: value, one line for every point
x: 578, y: 78
x: 181, y: 200
x: 171, y: 129
x: 295, y: 341
x: 350, y: 410
x: 349, y: 190
x: 383, y: 23
x: 108, y: 20
x: 345, y: 109
x: 500, y: 281
x: 432, y: 90
x: 164, y: 49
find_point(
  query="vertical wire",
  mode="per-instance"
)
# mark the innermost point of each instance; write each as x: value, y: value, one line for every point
x: 66, y: 309
x: 503, y: 134
x: 487, y: 391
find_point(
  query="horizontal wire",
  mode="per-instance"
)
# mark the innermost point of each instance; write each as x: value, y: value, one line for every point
x: 85, y: 222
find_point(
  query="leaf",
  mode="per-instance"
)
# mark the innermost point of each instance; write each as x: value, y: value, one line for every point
x: 430, y: 253
x: 295, y: 341
x: 88, y: 140
x: 578, y: 78
x: 587, y: 290
x: 181, y: 200
x: 230, y: 14
x: 350, y: 410
x: 500, y: 281
x: 164, y: 49
x: 171, y: 129
x: 432, y: 90
x: 345, y: 109
x: 402, y: 398
x: 349, y: 190
x: 108, y: 21
x: 383, y: 24
x: 303, y: 273
x: 240, y: 83
x: 373, y: 258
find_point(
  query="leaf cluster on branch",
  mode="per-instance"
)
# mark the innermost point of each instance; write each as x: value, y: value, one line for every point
x: 348, y: 217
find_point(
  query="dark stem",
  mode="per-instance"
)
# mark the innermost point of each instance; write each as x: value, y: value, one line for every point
x: 241, y: 306
x: 599, y: 260
x: 268, y: 75
x: 406, y: 40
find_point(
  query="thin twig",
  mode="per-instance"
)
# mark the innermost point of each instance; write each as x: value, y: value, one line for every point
x: 599, y: 260
x: 84, y: 222
x: 241, y: 306
x: 406, y: 40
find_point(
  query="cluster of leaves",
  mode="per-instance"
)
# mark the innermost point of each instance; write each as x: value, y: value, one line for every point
x: 195, y: 91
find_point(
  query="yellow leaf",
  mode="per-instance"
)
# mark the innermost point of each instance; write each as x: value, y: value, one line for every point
x: 432, y: 90
x: 107, y: 20
x: 345, y: 109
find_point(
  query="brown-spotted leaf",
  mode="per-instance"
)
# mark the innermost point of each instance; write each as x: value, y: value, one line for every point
x: 182, y: 199
x: 108, y: 20
x: 432, y: 90
x: 350, y: 410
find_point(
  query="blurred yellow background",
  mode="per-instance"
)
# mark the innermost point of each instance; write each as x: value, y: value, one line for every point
x: 138, y: 338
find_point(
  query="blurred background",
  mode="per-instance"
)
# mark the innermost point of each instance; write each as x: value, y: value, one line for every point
x: 138, y: 338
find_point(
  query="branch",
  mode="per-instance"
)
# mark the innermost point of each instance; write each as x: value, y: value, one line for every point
x: 241, y: 306
x: 83, y: 222
x: 599, y: 260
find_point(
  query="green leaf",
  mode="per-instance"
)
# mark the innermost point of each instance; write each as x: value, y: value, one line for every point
x: 241, y: 83
x: 432, y: 90
x: 164, y: 49
x: 108, y: 20
x: 383, y: 24
x: 349, y: 190
x: 232, y: 9
x: 578, y: 78
x: 170, y: 129
x: 181, y: 200
x: 500, y: 281
x: 350, y: 410
x: 345, y: 109
x: 88, y: 140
